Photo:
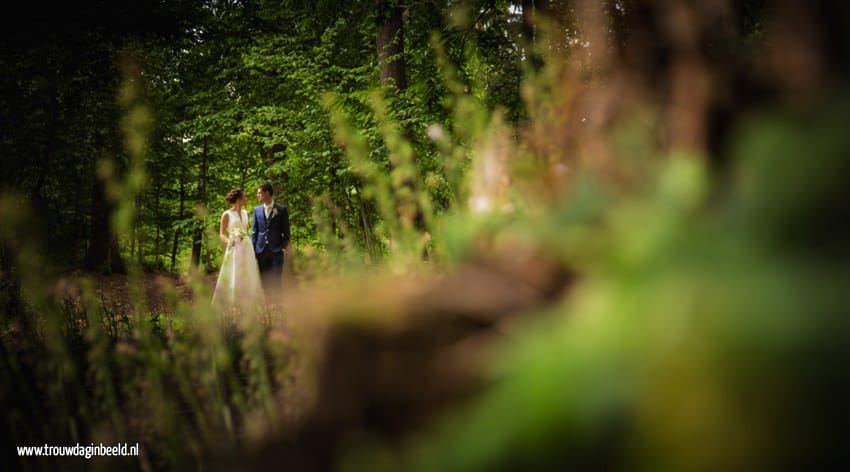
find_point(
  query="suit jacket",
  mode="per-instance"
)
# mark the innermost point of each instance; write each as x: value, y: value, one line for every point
x: 272, y: 232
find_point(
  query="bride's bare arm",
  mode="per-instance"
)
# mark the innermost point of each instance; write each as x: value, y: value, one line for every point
x: 222, y: 230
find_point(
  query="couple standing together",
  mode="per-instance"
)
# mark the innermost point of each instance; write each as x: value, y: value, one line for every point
x: 253, y: 262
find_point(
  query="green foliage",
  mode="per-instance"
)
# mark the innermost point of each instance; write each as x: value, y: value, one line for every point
x: 239, y: 97
x: 706, y: 329
x: 235, y: 94
x: 703, y: 334
x: 81, y: 369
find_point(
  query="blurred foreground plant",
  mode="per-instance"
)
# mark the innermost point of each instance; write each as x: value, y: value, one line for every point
x: 704, y: 333
x: 187, y: 383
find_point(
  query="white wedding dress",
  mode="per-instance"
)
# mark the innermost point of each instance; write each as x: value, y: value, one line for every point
x: 238, y: 288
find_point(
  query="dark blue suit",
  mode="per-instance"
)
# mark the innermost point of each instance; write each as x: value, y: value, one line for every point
x: 270, y: 237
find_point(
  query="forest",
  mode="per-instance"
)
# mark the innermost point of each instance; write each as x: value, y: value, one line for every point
x: 525, y: 234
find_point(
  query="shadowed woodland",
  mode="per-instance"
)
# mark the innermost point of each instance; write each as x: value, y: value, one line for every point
x: 526, y: 235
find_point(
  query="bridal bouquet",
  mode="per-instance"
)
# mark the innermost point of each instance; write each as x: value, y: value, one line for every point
x: 238, y: 234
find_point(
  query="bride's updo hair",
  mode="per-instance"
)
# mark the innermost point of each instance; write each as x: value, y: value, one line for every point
x: 234, y: 195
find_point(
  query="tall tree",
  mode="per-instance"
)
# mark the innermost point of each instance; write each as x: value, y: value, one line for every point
x: 61, y: 117
x: 390, y: 44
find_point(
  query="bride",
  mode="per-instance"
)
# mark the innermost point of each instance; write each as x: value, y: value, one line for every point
x: 238, y: 287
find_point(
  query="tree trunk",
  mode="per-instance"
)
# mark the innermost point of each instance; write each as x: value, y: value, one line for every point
x: 198, y: 236
x: 531, y: 11
x: 140, y: 231
x: 390, y: 48
x: 79, y: 230
x: 133, y: 242
x: 528, y: 29
x: 103, y: 255
x: 365, y: 225
x: 179, y: 218
x: 390, y: 44
x: 156, y: 219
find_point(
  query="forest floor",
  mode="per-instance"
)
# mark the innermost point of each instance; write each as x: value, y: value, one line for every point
x: 114, y: 289
x: 160, y: 288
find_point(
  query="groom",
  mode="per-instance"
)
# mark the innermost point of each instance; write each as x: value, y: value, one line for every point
x: 270, y: 235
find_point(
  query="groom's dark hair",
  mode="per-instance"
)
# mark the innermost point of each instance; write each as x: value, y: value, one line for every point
x: 267, y: 187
